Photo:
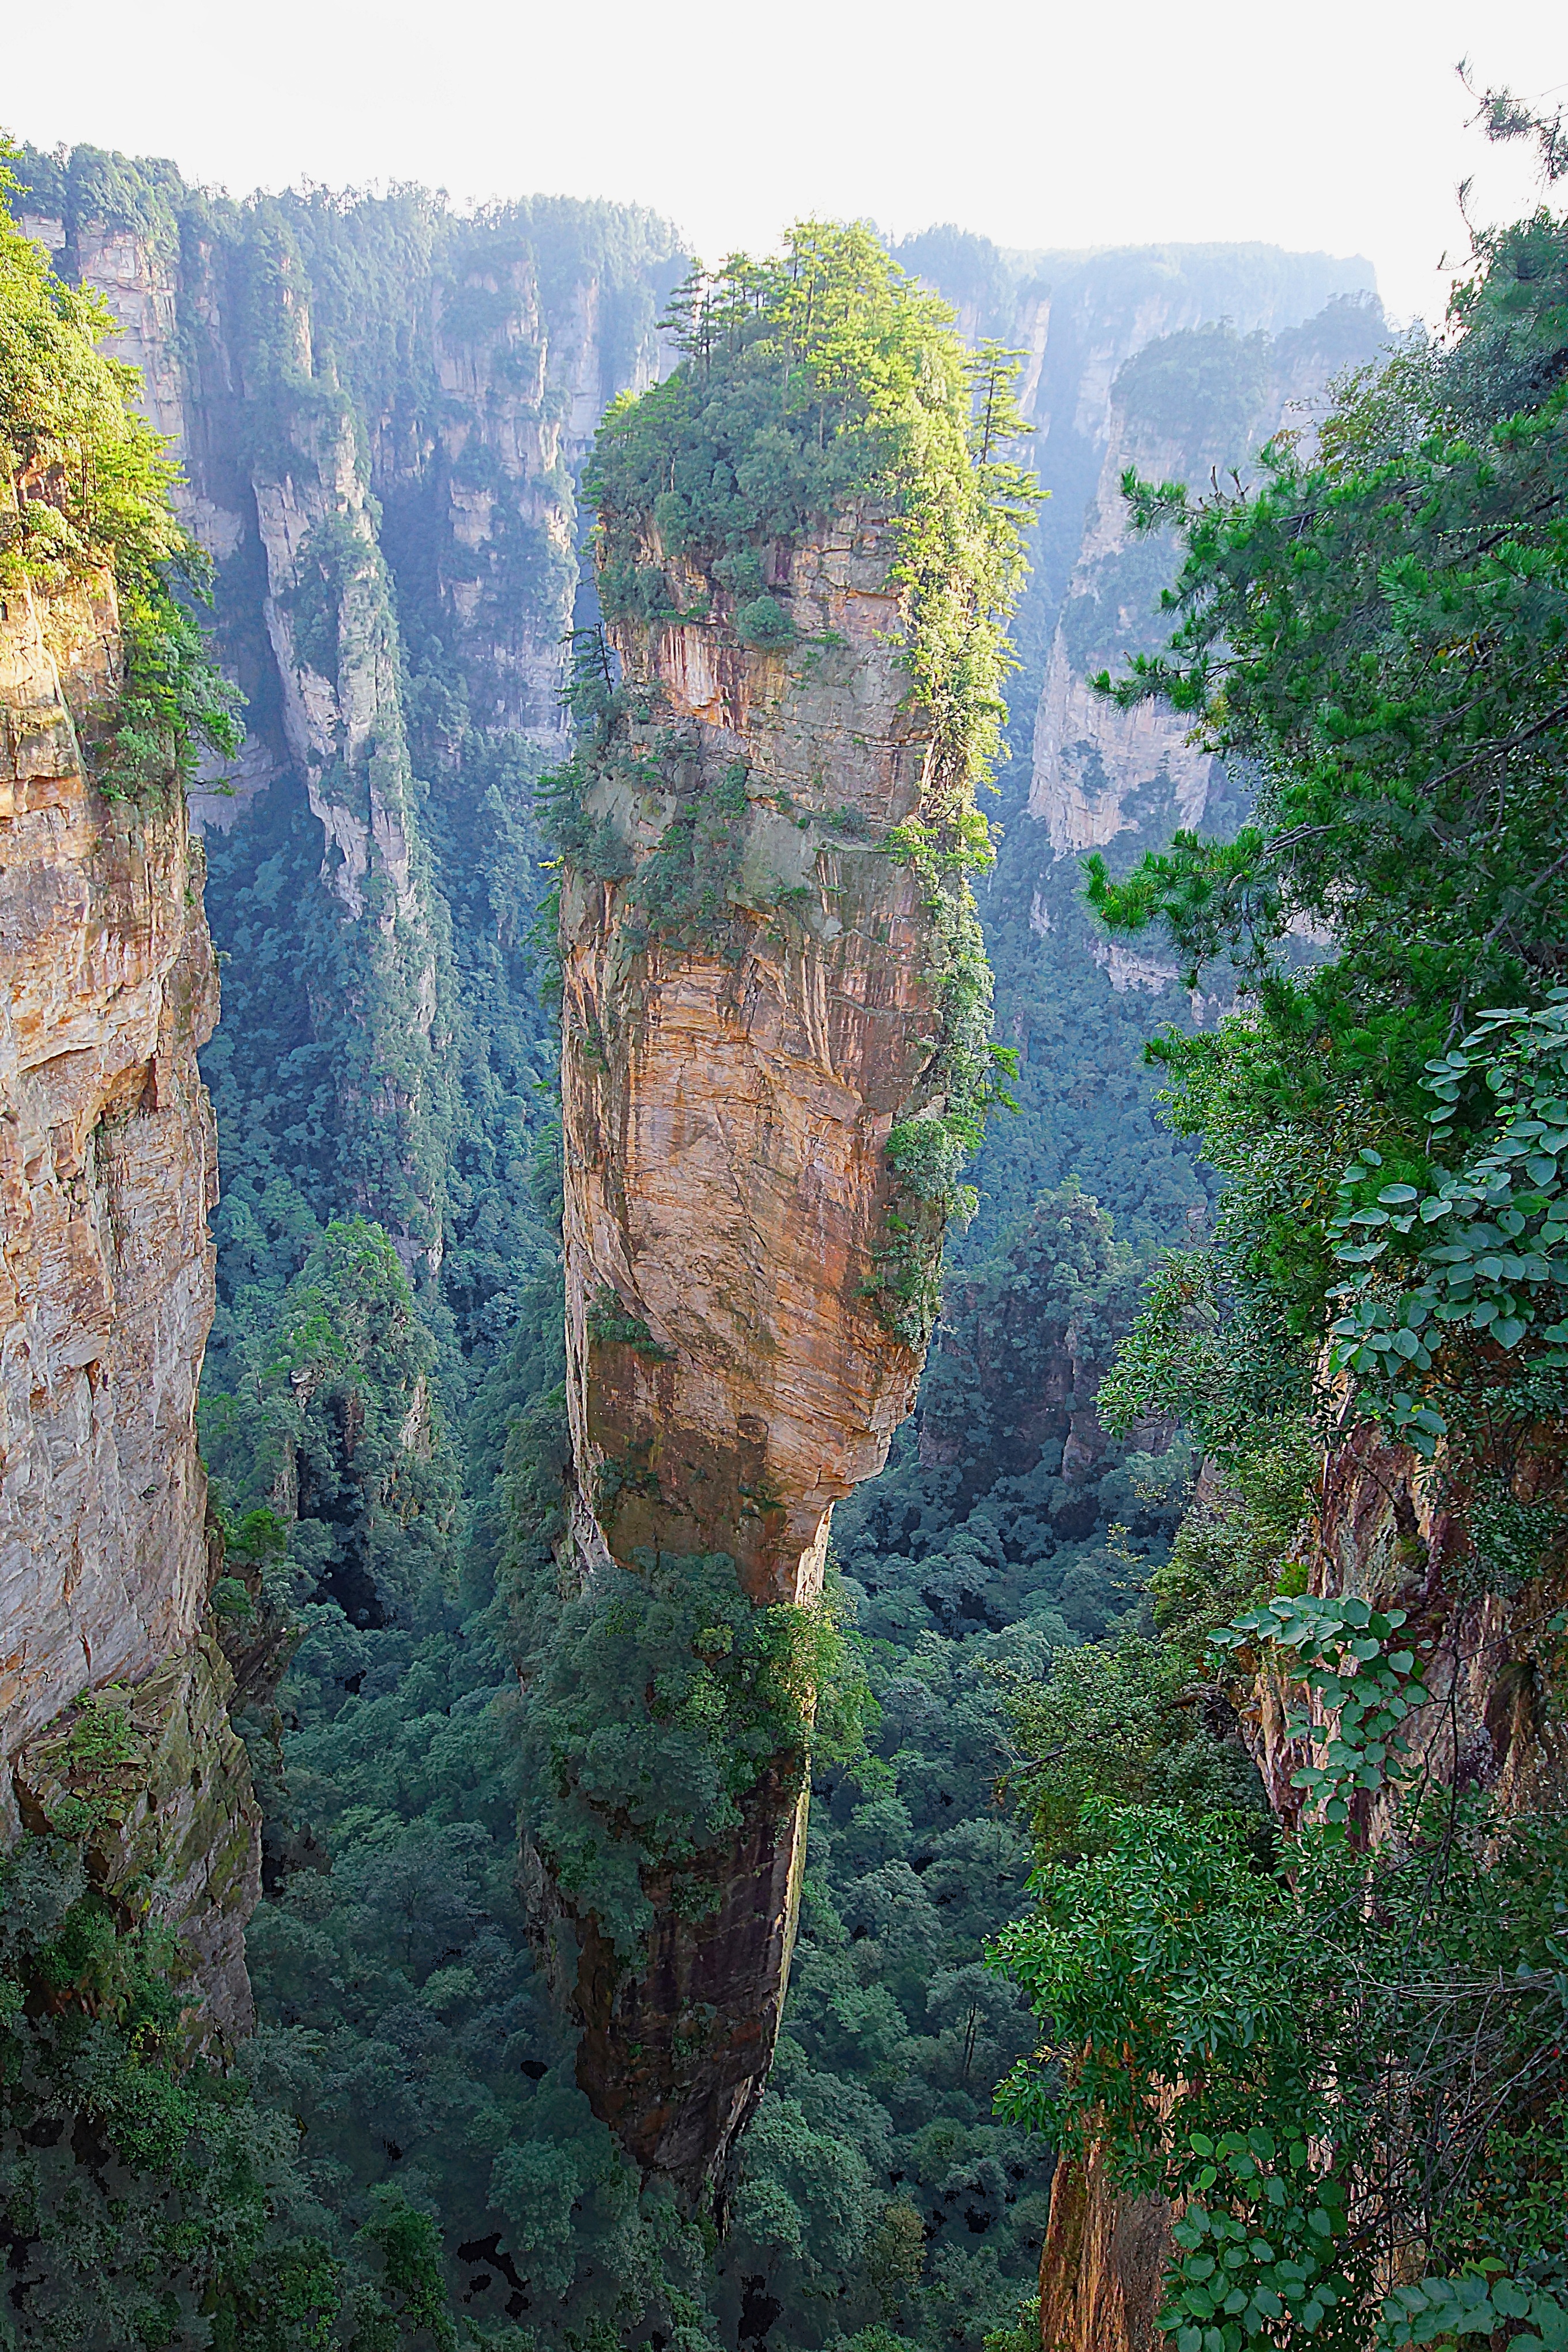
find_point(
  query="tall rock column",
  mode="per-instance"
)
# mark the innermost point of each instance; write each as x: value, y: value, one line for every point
x: 775, y: 1013
x: 749, y: 1009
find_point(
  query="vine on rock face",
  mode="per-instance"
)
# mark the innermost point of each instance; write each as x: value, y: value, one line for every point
x: 1456, y: 1292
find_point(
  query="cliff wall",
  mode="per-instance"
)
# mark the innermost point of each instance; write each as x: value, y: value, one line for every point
x: 1190, y: 405
x: 1383, y: 1531
x: 108, y: 1172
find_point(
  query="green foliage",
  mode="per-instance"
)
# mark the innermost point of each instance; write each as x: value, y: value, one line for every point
x: 656, y: 1703
x: 609, y: 1326
x: 1382, y: 631
x: 87, y: 489
x: 987, y: 1523
x: 1341, y: 2046
x: 1361, y: 1693
x: 809, y: 382
x: 332, y: 1412
x: 1237, y: 1541
x: 1204, y: 388
x: 1343, y: 2061
x: 148, y: 2198
x: 1445, y: 1282
x: 926, y: 1152
x: 1382, y: 628
x: 1122, y: 1721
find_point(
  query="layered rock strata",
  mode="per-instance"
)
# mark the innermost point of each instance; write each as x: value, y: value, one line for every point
x: 729, y: 1082
x: 108, y: 1169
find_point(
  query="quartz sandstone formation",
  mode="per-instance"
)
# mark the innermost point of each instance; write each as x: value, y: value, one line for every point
x: 108, y: 1168
x: 727, y: 1106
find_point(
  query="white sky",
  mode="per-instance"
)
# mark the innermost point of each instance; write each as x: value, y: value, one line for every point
x: 1326, y: 124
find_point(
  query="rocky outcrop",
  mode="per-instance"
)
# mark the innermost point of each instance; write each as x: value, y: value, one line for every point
x: 151, y: 1779
x: 729, y: 1082
x: 1095, y: 767
x: 109, y: 1170
x: 1387, y: 1531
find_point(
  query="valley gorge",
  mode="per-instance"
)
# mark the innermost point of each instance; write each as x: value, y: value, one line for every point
x: 613, y: 1684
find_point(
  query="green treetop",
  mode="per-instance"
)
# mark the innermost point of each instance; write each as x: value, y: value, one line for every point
x: 817, y: 377
x: 88, y: 488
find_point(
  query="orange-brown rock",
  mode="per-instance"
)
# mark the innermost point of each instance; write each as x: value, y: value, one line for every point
x: 730, y: 1083
x: 1102, y: 2265
x: 727, y: 1110
x: 108, y: 1170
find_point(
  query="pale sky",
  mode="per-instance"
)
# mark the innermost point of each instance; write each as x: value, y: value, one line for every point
x: 1332, y: 125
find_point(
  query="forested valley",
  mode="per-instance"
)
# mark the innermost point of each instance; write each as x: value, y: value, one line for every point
x: 1182, y: 1712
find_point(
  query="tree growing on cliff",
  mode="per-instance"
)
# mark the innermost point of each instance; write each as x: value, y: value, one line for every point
x: 88, y: 490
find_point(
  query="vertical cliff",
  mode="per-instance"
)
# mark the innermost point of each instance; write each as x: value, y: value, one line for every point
x: 728, y: 1100
x: 113, y: 1722
x: 1182, y: 406
x: 774, y: 1051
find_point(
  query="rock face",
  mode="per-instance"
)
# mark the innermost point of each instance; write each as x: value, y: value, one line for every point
x: 1380, y: 1535
x: 109, y: 1170
x: 1101, y: 2265
x: 727, y: 1111
x: 1185, y: 407
x: 727, y: 1104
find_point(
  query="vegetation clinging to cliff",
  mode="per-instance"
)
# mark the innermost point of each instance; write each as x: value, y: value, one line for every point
x: 1384, y: 627
x: 88, y: 488
x: 1345, y: 2063
x: 819, y: 377
x: 809, y: 382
